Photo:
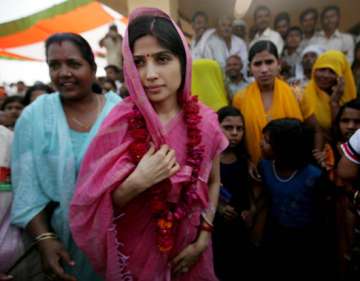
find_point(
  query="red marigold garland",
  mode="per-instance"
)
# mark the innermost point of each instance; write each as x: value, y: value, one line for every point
x: 167, y: 214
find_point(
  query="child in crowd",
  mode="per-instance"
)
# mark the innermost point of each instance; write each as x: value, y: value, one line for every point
x: 295, y: 190
x: 346, y: 123
x: 230, y: 236
x: 13, y: 106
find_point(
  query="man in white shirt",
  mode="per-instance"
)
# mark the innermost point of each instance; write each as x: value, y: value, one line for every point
x: 308, y: 21
x: 291, y: 58
x: 330, y: 37
x: 304, y: 70
x: 262, y: 17
x: 282, y: 24
x: 202, y: 33
x: 222, y: 43
x: 239, y: 28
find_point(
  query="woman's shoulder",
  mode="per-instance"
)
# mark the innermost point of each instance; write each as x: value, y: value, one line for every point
x: 284, y: 87
x: 119, y: 111
x: 243, y: 94
x: 112, y: 98
x: 208, y: 115
x: 37, y: 107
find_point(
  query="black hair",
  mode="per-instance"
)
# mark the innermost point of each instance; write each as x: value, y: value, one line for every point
x: 354, y: 104
x: 236, y: 57
x: 96, y: 88
x: 224, y: 18
x: 291, y: 141
x: 240, y: 150
x: 309, y: 11
x: 263, y: 45
x: 228, y: 111
x: 199, y: 14
x: 330, y: 8
x: 165, y: 33
x: 39, y: 86
x: 18, y: 99
x: 281, y: 16
x: 261, y: 8
x: 78, y: 41
x: 296, y: 29
x: 113, y: 67
x: 113, y: 27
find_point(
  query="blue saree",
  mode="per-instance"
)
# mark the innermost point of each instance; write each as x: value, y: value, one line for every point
x: 44, y: 168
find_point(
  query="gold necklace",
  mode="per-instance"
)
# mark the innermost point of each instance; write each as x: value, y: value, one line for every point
x: 81, y: 124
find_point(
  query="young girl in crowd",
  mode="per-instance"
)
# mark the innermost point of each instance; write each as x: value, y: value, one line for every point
x: 231, y: 241
x: 149, y: 184
x: 345, y: 125
x: 348, y: 170
x: 294, y: 187
x: 346, y: 122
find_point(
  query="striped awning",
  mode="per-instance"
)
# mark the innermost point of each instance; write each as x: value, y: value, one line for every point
x: 23, y: 38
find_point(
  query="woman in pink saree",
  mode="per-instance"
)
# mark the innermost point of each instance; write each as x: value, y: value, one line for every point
x: 149, y: 183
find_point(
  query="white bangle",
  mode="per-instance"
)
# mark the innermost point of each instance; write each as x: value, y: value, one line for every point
x: 207, y: 220
x: 211, y: 209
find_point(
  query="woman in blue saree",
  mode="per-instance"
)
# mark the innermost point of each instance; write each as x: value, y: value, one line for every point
x: 50, y: 140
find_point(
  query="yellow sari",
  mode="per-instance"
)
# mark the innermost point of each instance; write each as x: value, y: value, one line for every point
x: 249, y: 102
x: 208, y: 83
x: 336, y: 61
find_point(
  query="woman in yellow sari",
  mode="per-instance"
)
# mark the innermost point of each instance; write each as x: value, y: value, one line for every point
x: 208, y: 83
x: 331, y: 86
x: 267, y: 98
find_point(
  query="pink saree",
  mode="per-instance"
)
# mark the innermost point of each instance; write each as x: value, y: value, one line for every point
x: 121, y: 244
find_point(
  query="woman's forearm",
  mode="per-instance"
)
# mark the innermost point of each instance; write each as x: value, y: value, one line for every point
x: 128, y: 190
x: 214, y: 189
x: 209, y: 213
x: 335, y: 107
x: 38, y: 225
x: 319, y: 138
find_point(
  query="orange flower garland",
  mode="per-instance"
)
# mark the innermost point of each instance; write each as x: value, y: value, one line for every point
x: 168, y: 214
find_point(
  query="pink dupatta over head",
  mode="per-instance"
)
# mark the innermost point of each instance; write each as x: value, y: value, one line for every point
x: 121, y: 244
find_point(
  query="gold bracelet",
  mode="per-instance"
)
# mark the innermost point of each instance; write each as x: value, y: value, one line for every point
x: 45, y: 235
x: 45, y: 238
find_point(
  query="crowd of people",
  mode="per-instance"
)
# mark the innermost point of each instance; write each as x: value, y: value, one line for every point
x: 231, y: 157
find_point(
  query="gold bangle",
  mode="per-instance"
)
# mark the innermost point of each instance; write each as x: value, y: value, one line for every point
x: 45, y: 238
x: 45, y: 235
